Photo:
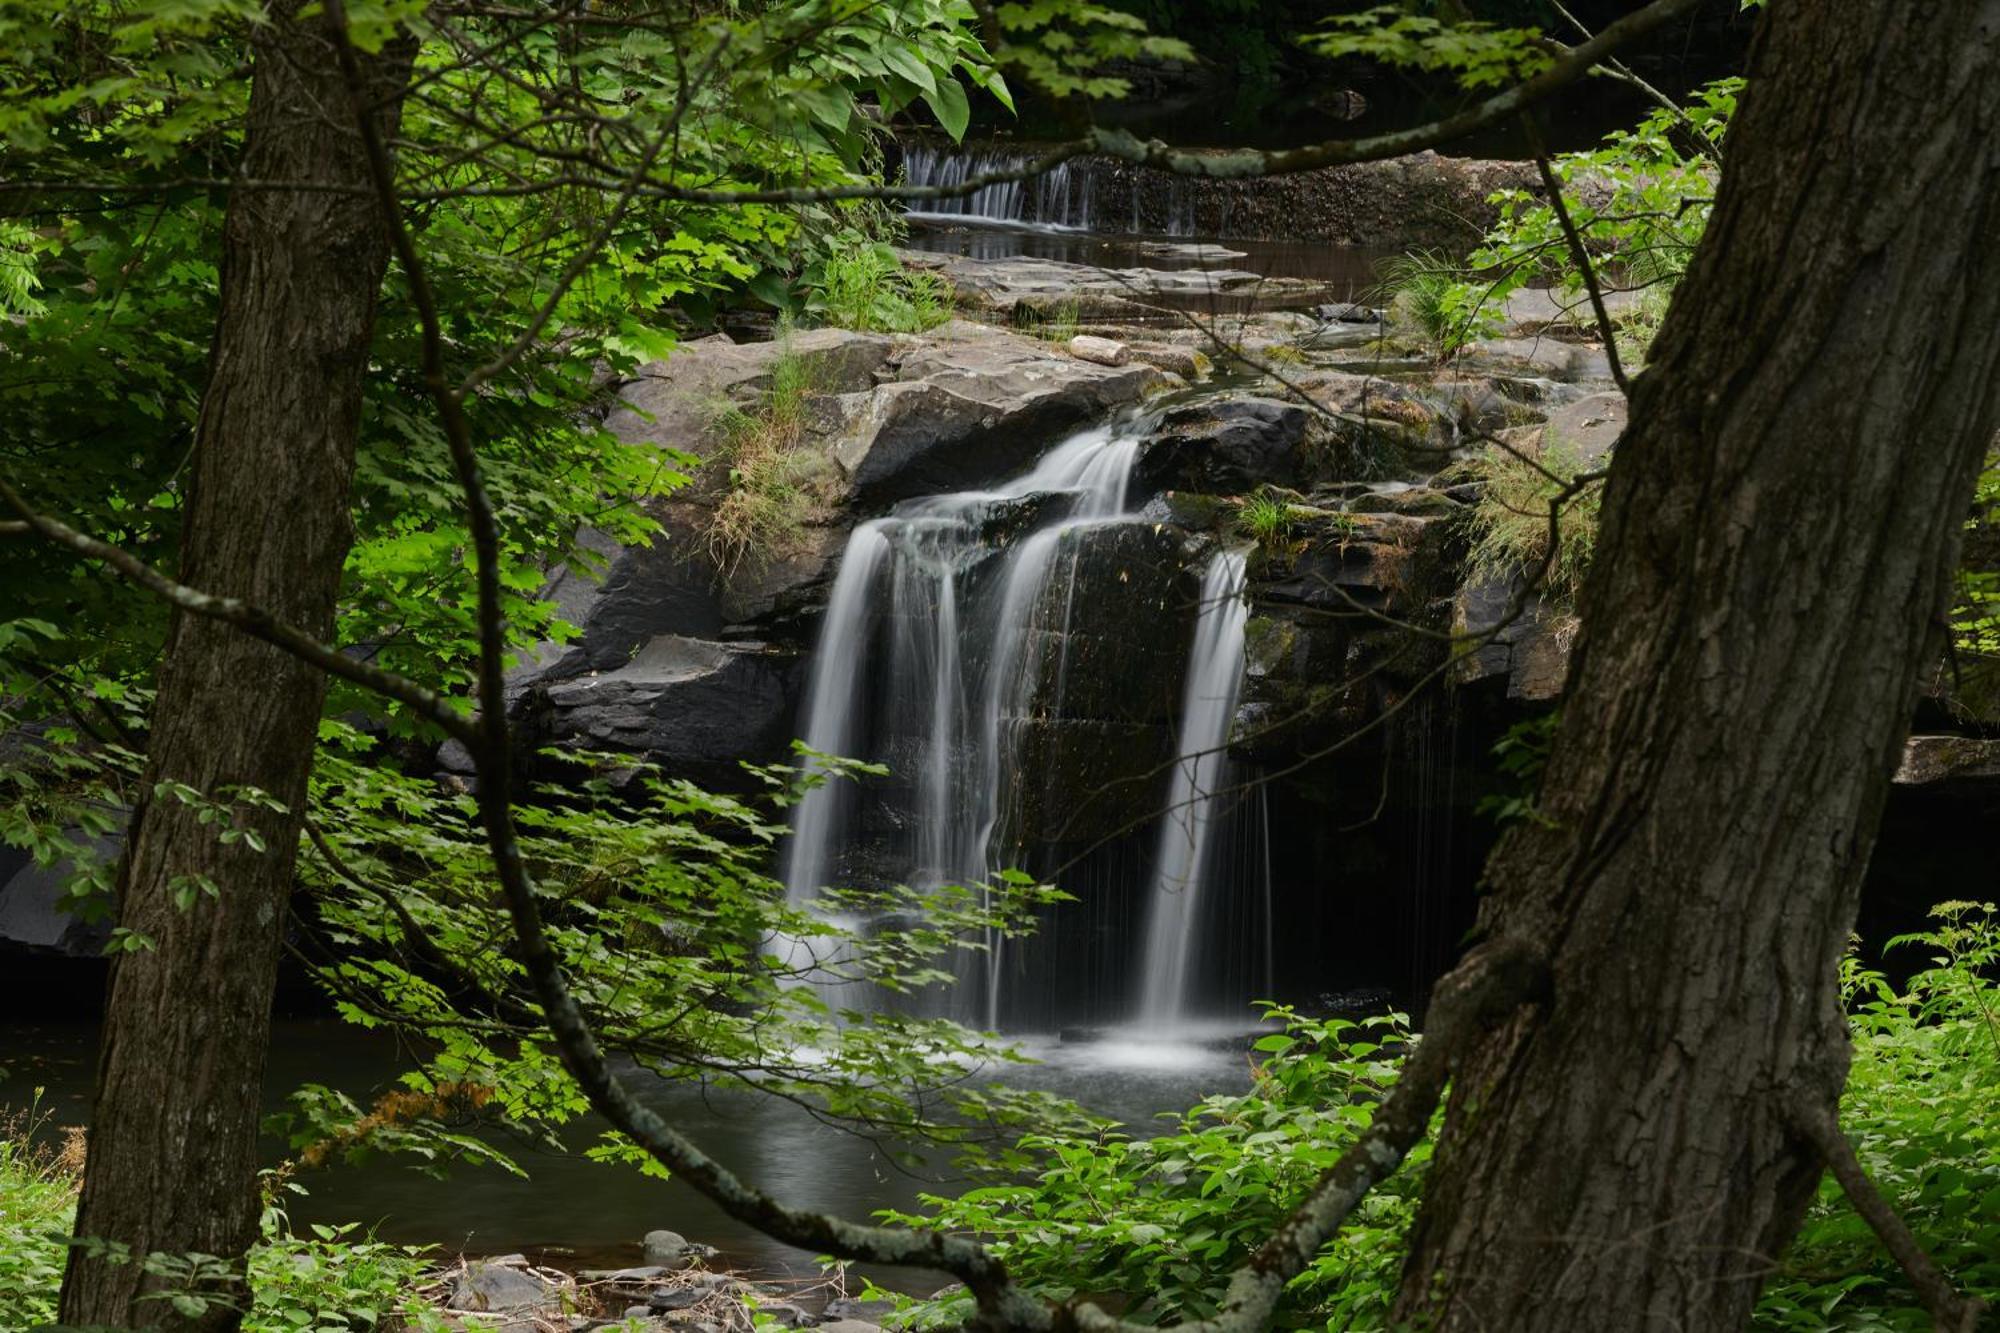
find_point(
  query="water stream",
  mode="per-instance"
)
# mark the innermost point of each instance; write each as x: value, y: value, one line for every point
x: 1214, y: 680
x: 948, y: 639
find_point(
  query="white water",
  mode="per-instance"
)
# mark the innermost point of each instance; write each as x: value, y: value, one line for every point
x: 1066, y: 197
x: 899, y: 627
x: 927, y: 660
x: 1214, y: 680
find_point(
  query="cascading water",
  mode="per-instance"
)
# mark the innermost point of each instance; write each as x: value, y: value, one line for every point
x: 946, y: 654
x: 1214, y: 680
x: 931, y: 612
x: 1080, y: 196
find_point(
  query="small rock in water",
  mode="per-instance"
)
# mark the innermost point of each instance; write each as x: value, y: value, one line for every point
x: 667, y: 1249
x: 1103, y: 351
x: 498, y: 1286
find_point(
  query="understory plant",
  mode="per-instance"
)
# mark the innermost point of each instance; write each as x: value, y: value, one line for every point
x: 775, y: 487
x: 859, y: 283
x: 1163, y: 1220
x: 1512, y: 533
x: 334, y: 1279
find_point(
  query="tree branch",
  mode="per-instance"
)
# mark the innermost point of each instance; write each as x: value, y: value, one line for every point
x: 252, y: 620
x: 1952, y: 1312
x: 1579, y: 253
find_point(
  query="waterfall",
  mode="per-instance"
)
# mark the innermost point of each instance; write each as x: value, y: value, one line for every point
x: 928, y: 629
x: 1058, y: 198
x: 1214, y: 679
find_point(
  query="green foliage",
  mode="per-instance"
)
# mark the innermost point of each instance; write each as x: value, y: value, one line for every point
x: 1521, y: 755
x: 659, y: 902
x: 1918, y: 1108
x: 335, y: 1280
x: 1063, y: 46
x: 1640, y: 202
x: 1265, y: 517
x: 1476, y: 54
x: 1430, y: 294
x: 1164, y: 1219
x: 37, y: 1196
x: 1511, y: 523
x: 1975, y: 612
x: 858, y: 283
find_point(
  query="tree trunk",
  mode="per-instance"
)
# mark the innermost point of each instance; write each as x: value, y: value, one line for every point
x: 1779, y: 530
x: 173, y: 1138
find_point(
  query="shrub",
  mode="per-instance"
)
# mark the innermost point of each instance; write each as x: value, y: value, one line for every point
x: 38, y: 1185
x: 1434, y: 296
x: 859, y: 283
x: 1510, y: 523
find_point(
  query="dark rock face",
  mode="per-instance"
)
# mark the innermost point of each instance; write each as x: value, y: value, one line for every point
x: 1090, y: 753
x: 1225, y: 445
x: 694, y: 706
x: 30, y: 905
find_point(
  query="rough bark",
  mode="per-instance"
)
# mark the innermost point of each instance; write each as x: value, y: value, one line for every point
x: 1778, y: 533
x: 172, y: 1164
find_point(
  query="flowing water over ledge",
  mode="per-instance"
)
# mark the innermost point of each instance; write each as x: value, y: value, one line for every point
x: 963, y: 648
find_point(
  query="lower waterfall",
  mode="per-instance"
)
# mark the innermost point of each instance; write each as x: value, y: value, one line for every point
x: 949, y: 649
x: 1214, y: 679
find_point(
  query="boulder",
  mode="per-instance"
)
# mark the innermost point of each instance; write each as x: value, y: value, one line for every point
x: 1531, y: 651
x: 500, y: 1287
x: 849, y: 1326
x: 1227, y: 445
x: 1929, y: 759
x: 31, y: 911
x: 674, y: 403
x: 695, y: 706
x: 858, y: 1310
x: 971, y: 405
x: 1029, y: 287
x: 1541, y: 356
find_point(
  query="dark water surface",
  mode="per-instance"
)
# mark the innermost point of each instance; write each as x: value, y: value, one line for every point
x: 587, y: 1213
x: 1352, y: 271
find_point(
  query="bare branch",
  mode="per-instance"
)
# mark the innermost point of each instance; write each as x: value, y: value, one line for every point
x: 1579, y: 253
x: 252, y: 620
x: 1952, y: 1312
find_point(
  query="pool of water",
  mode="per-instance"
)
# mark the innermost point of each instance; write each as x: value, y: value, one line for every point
x: 577, y: 1211
x: 1351, y: 271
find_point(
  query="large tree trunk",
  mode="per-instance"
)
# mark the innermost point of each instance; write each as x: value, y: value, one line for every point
x: 173, y: 1137
x: 1779, y: 530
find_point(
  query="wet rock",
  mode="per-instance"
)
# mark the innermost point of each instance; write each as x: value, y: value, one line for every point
x: 500, y: 1287
x: 1929, y: 759
x: 695, y: 706
x: 849, y: 1326
x: 1028, y: 288
x: 1187, y: 362
x: 675, y: 403
x: 1193, y: 253
x: 973, y: 405
x: 1562, y: 361
x: 1228, y: 445
x: 31, y: 903
x: 1531, y: 650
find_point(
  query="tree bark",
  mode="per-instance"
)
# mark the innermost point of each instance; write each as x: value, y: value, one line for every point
x: 173, y: 1163
x: 1779, y: 528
